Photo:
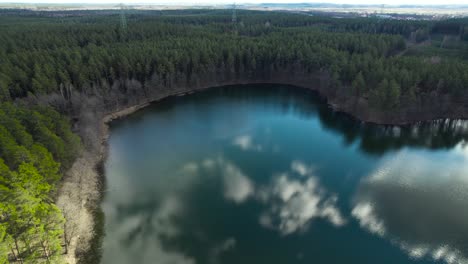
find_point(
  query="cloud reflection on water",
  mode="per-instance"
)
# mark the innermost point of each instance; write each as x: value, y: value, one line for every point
x: 141, y: 234
x: 293, y: 202
x: 245, y: 142
x: 419, y: 203
x: 217, y: 251
x: 237, y: 186
x: 301, y: 168
x: 142, y: 219
x: 293, y: 198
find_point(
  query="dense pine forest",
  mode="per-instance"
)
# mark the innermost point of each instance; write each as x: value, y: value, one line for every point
x: 57, y: 69
x: 98, y: 55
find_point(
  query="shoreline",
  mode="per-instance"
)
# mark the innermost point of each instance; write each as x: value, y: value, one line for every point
x: 92, y: 207
x: 334, y: 106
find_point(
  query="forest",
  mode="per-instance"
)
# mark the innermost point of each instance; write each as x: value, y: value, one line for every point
x: 36, y: 146
x: 91, y: 54
x: 53, y: 65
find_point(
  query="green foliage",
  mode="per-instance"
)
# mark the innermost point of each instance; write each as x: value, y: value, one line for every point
x: 421, y: 35
x: 45, y: 163
x: 4, y: 90
x: 464, y: 33
x: 359, y: 84
x: 94, y: 56
x: 387, y: 95
x: 3, y: 244
x: 393, y: 94
x: 31, y: 226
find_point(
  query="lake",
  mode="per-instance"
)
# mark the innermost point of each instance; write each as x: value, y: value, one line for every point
x: 269, y: 174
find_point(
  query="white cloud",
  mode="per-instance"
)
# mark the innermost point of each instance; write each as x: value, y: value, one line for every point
x: 162, y: 220
x: 418, y: 201
x: 142, y: 234
x: 301, y: 168
x: 462, y: 149
x: 285, y: 189
x: 331, y: 212
x: 190, y: 167
x: 208, y: 163
x: 217, y: 251
x: 364, y: 213
x: 237, y: 186
x: 245, y: 142
x: 293, y: 203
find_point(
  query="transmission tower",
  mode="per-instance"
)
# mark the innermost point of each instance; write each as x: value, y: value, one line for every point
x: 234, y: 15
x: 123, y: 18
x: 234, y: 19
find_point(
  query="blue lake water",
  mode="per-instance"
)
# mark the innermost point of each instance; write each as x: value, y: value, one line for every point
x: 269, y: 174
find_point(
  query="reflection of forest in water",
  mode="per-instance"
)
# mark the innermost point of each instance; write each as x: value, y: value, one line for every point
x: 373, y: 139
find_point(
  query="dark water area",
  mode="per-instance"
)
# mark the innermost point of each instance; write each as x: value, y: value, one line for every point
x: 269, y: 174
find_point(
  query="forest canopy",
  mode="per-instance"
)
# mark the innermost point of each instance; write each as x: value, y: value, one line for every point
x: 98, y: 52
x: 36, y: 146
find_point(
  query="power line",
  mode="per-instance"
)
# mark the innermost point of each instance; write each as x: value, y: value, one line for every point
x: 234, y: 18
x: 123, y: 18
x: 234, y: 14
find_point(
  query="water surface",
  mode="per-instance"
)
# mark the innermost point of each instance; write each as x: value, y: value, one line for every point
x: 268, y: 174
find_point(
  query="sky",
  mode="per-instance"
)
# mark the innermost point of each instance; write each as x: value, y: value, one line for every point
x: 198, y: 2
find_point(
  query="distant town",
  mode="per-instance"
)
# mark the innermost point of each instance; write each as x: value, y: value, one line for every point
x: 402, y: 12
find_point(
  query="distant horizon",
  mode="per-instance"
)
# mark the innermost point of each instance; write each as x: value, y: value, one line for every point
x: 254, y: 2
